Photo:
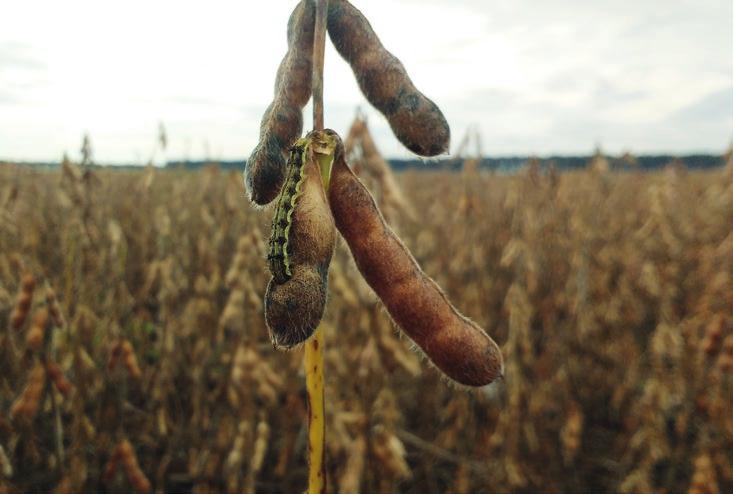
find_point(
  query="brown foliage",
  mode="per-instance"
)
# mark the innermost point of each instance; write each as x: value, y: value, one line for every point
x: 602, y: 290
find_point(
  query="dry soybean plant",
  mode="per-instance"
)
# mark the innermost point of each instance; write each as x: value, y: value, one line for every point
x: 612, y: 297
x: 318, y: 193
x: 376, y: 174
x: 610, y: 293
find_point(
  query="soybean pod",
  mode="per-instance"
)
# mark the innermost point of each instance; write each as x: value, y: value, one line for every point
x: 455, y: 344
x: 416, y: 120
x: 282, y: 122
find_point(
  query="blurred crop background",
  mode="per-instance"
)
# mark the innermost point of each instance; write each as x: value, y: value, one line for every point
x: 610, y: 293
x: 607, y: 278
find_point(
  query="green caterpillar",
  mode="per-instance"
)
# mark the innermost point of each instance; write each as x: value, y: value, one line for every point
x: 301, y: 244
x: 278, y: 256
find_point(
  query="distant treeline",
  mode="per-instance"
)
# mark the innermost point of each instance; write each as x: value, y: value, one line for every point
x: 510, y: 164
x: 502, y: 165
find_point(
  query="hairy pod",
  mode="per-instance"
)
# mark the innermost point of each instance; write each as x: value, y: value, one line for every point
x: 455, y: 344
x: 23, y: 302
x: 416, y: 121
x: 129, y: 360
x: 130, y: 464
x: 57, y: 377
x: 27, y: 404
x: 34, y: 337
x: 124, y: 351
x: 390, y: 194
x: 300, y: 247
x: 282, y: 122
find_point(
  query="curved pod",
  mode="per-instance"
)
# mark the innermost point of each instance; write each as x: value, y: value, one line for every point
x: 282, y: 122
x: 416, y: 120
x: 455, y: 344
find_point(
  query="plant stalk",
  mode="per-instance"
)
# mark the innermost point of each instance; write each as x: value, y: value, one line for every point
x: 319, y: 49
x: 314, y: 346
x: 316, y: 413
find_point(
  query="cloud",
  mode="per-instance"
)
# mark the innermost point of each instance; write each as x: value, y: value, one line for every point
x: 9, y: 98
x: 543, y: 77
x: 713, y: 108
x: 14, y: 56
x: 21, y: 73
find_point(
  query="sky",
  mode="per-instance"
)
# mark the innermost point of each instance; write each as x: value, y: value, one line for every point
x: 552, y: 77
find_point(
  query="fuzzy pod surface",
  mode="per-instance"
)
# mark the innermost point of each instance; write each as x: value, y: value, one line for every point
x: 455, y: 344
x: 415, y: 120
x: 282, y: 122
x: 301, y: 245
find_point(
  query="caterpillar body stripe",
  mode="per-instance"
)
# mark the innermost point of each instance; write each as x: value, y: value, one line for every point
x: 279, y: 256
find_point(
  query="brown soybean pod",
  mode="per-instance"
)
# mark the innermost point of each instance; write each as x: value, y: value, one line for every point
x: 34, y: 337
x: 282, y: 122
x: 131, y: 465
x: 455, y: 344
x: 23, y: 302
x: 58, y: 378
x: 294, y: 308
x: 416, y: 121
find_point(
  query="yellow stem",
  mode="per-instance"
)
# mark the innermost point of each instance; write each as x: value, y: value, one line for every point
x: 314, y: 380
x: 314, y: 346
x: 316, y: 413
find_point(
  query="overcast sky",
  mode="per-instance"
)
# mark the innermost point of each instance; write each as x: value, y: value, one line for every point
x: 536, y: 77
